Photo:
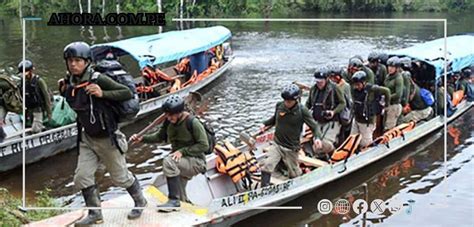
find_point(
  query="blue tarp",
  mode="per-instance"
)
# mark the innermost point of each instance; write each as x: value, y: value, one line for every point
x: 165, y: 47
x: 460, y: 53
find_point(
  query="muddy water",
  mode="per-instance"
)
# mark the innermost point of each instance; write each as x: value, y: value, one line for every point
x: 267, y: 58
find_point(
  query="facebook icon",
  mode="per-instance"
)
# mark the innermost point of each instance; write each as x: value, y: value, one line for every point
x: 360, y: 206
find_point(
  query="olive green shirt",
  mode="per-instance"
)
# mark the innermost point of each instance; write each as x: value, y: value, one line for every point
x: 43, y: 88
x: 371, y: 95
x: 462, y: 85
x: 339, y: 98
x: 408, y: 87
x: 395, y: 84
x: 440, y: 100
x: 193, y: 144
x: 289, y: 125
x: 417, y: 102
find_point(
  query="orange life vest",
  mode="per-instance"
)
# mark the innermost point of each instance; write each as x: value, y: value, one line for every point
x: 398, y: 131
x: 182, y: 66
x: 347, y: 148
x: 458, y: 96
x: 233, y: 162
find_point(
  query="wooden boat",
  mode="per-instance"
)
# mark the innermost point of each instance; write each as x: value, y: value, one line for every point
x: 216, y: 200
x: 56, y: 140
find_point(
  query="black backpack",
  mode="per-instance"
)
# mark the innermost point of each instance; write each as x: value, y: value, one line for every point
x: 126, y: 110
x: 211, y: 135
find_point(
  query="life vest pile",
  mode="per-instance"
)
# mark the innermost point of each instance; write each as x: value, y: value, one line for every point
x: 347, y: 148
x: 398, y: 131
x: 233, y: 162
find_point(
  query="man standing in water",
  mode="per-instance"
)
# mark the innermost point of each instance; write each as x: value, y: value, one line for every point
x: 101, y: 141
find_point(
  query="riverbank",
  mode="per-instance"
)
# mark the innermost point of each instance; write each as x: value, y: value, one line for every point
x: 10, y: 215
x: 218, y: 8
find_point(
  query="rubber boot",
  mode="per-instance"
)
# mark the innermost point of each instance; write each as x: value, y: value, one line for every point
x: 92, y: 199
x: 136, y: 193
x: 173, y: 204
x: 265, y: 179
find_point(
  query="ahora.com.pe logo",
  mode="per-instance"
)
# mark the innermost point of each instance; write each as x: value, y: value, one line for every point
x: 111, y: 19
x: 360, y: 206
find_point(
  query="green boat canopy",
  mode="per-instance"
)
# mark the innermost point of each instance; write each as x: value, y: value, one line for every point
x: 460, y: 53
x: 155, y: 49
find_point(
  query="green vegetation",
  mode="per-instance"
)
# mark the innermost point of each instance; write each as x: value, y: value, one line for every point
x: 11, y: 216
x: 232, y: 8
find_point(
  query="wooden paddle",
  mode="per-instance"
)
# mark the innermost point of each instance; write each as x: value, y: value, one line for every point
x: 191, y: 100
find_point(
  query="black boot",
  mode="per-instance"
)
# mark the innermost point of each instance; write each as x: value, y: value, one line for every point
x: 173, y: 204
x: 92, y: 199
x: 265, y: 178
x: 136, y: 193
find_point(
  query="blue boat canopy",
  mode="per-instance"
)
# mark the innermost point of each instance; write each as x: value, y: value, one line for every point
x: 152, y: 50
x: 460, y: 53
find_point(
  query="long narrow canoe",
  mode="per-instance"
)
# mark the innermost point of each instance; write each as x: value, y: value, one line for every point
x: 215, y: 197
x: 154, y: 50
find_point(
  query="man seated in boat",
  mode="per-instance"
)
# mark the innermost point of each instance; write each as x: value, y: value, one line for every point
x: 187, y: 158
x: 288, y: 120
x: 326, y: 100
x: 419, y: 106
x: 464, y: 80
x: 470, y: 86
x: 366, y: 107
x: 37, y: 98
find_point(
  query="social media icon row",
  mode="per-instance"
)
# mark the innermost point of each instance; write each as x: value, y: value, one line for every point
x: 360, y: 206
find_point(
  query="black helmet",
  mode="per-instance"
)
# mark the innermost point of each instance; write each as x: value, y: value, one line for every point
x: 27, y: 64
x: 466, y: 73
x: 393, y: 61
x: 373, y: 56
x: 383, y: 57
x: 405, y: 62
x: 78, y: 49
x: 290, y: 92
x: 322, y: 73
x: 355, y: 62
x: 359, y: 76
x: 173, y: 104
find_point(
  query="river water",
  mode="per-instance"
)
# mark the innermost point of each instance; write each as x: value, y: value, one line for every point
x: 268, y: 56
